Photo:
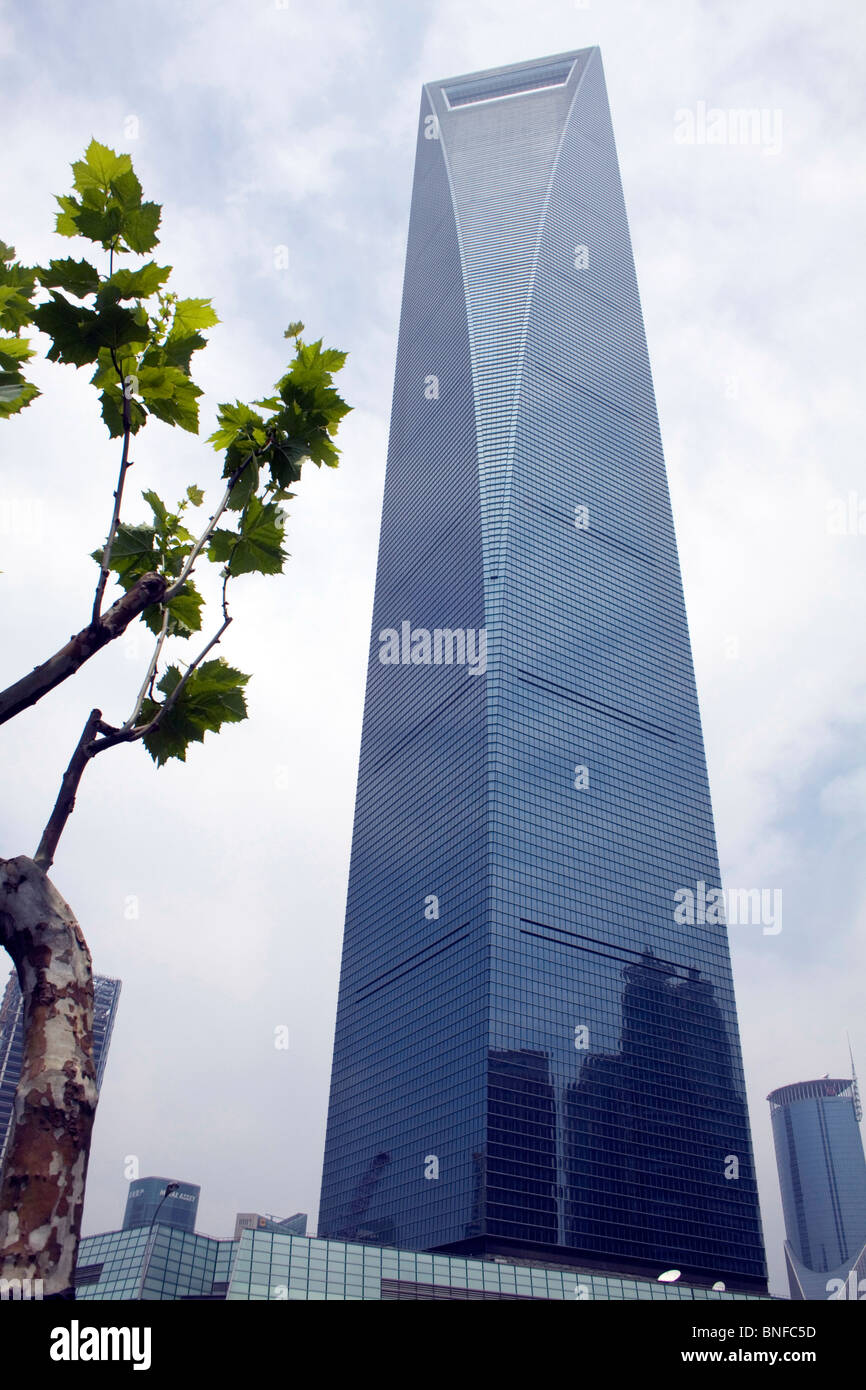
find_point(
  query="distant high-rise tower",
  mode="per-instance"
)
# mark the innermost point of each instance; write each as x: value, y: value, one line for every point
x: 537, y: 1051
x: 149, y: 1197
x: 822, y: 1174
x: 288, y: 1225
x: 105, y: 996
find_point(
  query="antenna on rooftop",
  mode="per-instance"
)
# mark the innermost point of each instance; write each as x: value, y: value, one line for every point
x: 858, y: 1108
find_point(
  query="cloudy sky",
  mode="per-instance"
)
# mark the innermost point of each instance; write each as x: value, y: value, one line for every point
x: 216, y: 890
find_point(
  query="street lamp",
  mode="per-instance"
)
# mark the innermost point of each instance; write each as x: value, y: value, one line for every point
x: 170, y: 1187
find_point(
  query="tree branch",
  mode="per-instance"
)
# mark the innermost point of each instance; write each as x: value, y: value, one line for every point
x: 65, y: 803
x: 147, y: 683
x: 208, y: 531
x: 132, y: 735
x: 125, y: 465
x: 150, y: 588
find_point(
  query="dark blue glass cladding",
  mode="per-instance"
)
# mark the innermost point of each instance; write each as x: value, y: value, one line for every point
x: 408, y: 1081
x: 822, y: 1172
x: 565, y: 1050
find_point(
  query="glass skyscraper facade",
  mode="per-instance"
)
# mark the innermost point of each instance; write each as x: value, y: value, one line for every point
x: 535, y: 1054
x: 106, y: 993
x: 149, y: 1197
x: 822, y: 1174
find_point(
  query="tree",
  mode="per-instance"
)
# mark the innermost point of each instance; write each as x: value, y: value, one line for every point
x: 139, y: 337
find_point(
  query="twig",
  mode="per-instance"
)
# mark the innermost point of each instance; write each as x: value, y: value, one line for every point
x: 208, y: 530
x: 65, y: 803
x: 118, y: 498
x: 132, y: 735
x: 147, y: 683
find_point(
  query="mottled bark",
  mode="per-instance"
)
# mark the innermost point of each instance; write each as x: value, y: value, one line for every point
x: 149, y: 589
x: 42, y: 1184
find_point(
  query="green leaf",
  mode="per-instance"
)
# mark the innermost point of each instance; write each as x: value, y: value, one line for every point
x: 159, y: 383
x: 212, y: 696
x: 257, y: 546
x: 139, y: 284
x: 158, y: 507
x: 15, y: 393
x: 14, y: 350
x: 184, y: 613
x: 191, y: 316
x: 285, y: 460
x: 111, y: 401
x: 15, y: 308
x: 332, y: 359
x: 117, y: 326
x: 66, y: 224
x: 72, y: 328
x: 195, y: 495
x: 78, y: 277
x: 177, y: 352
x: 170, y: 395
x: 126, y: 189
x: 103, y: 227
x: 233, y: 420
x: 79, y: 333
x: 321, y: 450
x: 111, y: 398
x: 139, y: 227
x: 132, y: 550
x: 110, y: 210
x: 246, y: 485
x: 312, y: 367
x: 99, y: 166
x: 106, y: 371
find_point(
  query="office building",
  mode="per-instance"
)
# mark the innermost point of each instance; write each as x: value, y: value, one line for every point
x: 158, y: 1255
x: 175, y: 1203
x: 822, y: 1174
x: 537, y: 1052
x: 275, y: 1267
x: 106, y: 993
x: 158, y: 1262
x: 253, y: 1221
x: 165, y: 1264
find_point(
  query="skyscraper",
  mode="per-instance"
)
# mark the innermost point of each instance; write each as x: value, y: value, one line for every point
x: 535, y: 1055
x: 148, y: 1198
x: 822, y: 1174
x: 106, y: 993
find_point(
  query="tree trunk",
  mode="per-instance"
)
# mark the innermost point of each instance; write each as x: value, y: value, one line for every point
x: 42, y: 1184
